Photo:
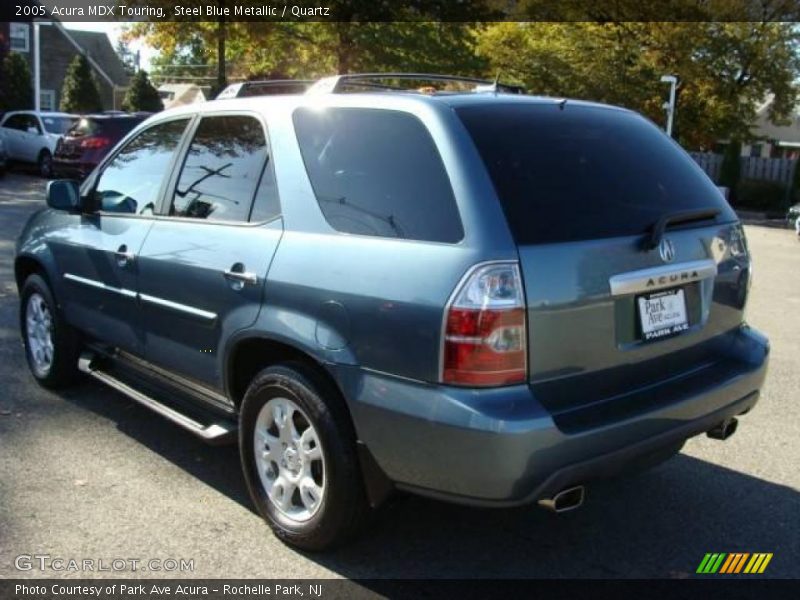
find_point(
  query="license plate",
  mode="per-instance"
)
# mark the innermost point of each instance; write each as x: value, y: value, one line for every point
x: 662, y: 314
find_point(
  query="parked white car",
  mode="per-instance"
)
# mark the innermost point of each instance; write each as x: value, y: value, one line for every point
x: 32, y: 137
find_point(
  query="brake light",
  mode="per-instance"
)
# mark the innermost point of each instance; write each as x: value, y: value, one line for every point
x: 485, y: 338
x: 94, y: 143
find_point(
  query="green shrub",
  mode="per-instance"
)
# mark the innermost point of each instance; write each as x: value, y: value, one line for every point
x: 731, y: 168
x: 796, y: 181
x: 141, y: 95
x: 79, y: 93
x: 16, y: 90
x: 761, y: 195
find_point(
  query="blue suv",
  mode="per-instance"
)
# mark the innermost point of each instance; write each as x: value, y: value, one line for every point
x: 470, y: 294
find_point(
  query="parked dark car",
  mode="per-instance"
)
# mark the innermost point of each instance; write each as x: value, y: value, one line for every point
x: 89, y: 140
x: 483, y: 297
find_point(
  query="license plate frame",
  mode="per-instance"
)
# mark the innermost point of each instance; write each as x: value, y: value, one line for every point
x: 662, y: 314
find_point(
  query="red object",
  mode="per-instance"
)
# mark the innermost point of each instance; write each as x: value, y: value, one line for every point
x: 485, y: 347
x: 94, y: 142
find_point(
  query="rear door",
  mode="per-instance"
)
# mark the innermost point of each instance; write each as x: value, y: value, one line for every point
x: 31, y: 139
x: 608, y: 313
x: 203, y: 267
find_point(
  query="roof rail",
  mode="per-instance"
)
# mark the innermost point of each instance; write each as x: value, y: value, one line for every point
x: 266, y: 87
x: 338, y: 83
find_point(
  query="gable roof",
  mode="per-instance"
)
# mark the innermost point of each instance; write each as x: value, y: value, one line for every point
x: 98, y: 46
x: 788, y: 132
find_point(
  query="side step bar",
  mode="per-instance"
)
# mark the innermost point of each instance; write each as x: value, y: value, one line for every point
x: 219, y: 432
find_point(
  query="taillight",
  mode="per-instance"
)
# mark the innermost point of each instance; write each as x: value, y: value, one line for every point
x: 485, y: 337
x: 94, y: 143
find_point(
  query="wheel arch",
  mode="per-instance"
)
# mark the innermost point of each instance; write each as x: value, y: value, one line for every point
x: 25, y: 266
x: 250, y: 354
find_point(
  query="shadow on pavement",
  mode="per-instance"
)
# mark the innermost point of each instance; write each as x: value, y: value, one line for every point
x: 658, y: 523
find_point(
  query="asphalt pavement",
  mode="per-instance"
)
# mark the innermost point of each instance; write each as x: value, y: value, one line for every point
x: 89, y: 474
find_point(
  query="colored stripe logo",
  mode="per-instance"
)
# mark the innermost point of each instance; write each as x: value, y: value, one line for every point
x: 734, y: 563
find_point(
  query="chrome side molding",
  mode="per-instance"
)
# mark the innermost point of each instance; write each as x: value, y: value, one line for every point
x: 656, y: 278
x: 176, y: 306
x: 99, y: 285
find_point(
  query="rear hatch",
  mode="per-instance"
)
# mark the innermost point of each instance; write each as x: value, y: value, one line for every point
x: 94, y: 135
x: 635, y: 268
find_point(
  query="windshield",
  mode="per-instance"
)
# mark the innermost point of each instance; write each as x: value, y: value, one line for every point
x: 58, y: 125
x: 574, y: 172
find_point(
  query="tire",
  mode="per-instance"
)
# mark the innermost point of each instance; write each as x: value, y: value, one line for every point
x: 45, y: 164
x: 310, y: 517
x: 51, y: 345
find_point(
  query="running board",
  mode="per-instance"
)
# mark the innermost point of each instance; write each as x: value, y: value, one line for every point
x: 218, y: 432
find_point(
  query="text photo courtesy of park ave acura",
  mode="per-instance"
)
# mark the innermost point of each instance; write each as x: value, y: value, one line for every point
x: 399, y: 299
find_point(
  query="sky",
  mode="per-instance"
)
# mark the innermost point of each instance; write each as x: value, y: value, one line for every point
x: 114, y: 31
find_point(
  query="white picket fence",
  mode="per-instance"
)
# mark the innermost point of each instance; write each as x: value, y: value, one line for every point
x: 752, y: 167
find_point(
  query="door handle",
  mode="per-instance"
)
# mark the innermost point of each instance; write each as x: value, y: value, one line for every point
x: 123, y: 256
x: 241, y: 276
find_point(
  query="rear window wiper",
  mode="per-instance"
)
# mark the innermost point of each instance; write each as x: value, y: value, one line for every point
x: 653, y: 238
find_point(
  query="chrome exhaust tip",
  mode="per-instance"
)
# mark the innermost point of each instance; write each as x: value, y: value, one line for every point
x: 565, y: 500
x: 723, y: 430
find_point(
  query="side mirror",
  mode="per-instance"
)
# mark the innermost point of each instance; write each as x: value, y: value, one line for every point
x: 64, y: 194
x: 33, y: 130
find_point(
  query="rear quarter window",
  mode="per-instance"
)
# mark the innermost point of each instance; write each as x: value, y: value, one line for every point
x: 578, y: 172
x: 378, y: 173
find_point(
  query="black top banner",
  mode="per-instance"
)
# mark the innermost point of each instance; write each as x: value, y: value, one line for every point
x: 400, y: 10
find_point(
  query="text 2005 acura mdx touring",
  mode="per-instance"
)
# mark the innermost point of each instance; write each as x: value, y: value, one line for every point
x: 483, y: 297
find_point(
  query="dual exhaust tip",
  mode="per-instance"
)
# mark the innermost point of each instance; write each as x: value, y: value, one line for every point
x: 572, y: 497
x: 564, y: 501
x: 724, y: 429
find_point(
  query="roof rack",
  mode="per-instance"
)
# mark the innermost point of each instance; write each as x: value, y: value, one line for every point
x: 338, y: 83
x: 266, y: 87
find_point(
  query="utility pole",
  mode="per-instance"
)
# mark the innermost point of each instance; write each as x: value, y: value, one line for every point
x: 222, y: 80
x: 37, y: 77
x: 670, y: 106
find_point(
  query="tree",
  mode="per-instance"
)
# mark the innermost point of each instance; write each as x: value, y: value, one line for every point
x: 16, y: 91
x: 725, y: 68
x: 79, y: 92
x: 130, y: 59
x: 141, y: 95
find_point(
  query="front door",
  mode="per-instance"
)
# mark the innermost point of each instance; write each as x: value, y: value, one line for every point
x: 98, y: 255
x: 204, y: 264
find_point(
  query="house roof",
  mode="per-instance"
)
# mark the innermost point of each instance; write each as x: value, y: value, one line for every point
x: 181, y: 93
x: 789, y: 134
x: 98, y: 46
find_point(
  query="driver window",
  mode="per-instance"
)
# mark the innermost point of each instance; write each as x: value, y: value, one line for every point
x: 131, y: 181
x: 33, y: 123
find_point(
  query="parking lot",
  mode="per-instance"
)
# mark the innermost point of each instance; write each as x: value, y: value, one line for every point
x: 90, y: 474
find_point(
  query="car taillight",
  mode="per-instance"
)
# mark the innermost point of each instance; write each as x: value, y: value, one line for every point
x: 93, y: 143
x: 485, y: 338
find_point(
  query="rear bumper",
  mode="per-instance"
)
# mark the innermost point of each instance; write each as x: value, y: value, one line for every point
x: 501, y: 447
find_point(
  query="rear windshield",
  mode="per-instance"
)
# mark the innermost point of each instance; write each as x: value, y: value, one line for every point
x: 58, y: 124
x: 578, y: 172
